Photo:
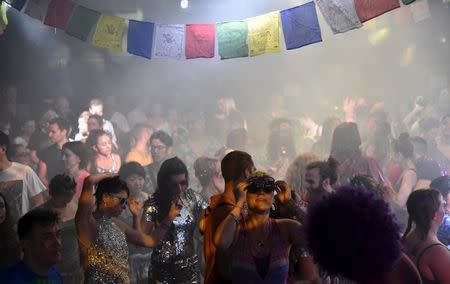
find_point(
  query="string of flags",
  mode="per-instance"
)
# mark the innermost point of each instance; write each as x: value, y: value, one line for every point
x: 250, y: 37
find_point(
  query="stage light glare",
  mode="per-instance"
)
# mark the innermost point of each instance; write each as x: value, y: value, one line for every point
x: 184, y: 4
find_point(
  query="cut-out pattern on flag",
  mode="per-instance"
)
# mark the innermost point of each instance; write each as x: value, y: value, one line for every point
x: 140, y: 38
x: 58, y: 13
x: 369, y: 9
x: 339, y: 14
x: 232, y: 39
x: 420, y: 10
x: 169, y: 41
x: 200, y: 39
x: 17, y: 4
x: 109, y: 32
x: 81, y: 22
x: 300, y: 26
x: 264, y: 34
x: 37, y: 9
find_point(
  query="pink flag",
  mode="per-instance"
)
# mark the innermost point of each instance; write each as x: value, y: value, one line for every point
x: 200, y: 39
x: 58, y: 13
x: 369, y: 9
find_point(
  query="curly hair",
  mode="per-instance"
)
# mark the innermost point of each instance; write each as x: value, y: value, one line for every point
x: 352, y: 234
x: 295, y: 174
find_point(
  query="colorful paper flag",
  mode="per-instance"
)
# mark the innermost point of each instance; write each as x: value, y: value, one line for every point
x: 420, y: 10
x: 232, y: 39
x: 369, y: 9
x: 200, y: 40
x: 169, y: 41
x: 300, y: 26
x: 58, y: 13
x: 109, y: 33
x: 17, y: 4
x: 37, y: 9
x: 264, y: 34
x: 140, y: 38
x: 81, y: 22
x: 339, y: 14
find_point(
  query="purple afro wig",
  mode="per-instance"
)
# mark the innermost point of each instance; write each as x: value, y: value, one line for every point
x: 353, y: 234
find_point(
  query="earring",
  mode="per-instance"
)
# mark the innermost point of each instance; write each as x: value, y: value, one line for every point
x: 273, y: 207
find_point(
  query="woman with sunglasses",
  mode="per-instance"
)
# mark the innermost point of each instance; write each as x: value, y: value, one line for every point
x: 260, y: 245
x: 102, y: 237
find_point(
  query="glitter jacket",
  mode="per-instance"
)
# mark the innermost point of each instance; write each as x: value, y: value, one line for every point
x: 175, y: 259
x: 108, y: 255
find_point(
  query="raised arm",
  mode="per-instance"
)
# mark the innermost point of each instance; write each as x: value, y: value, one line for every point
x: 83, y: 217
x: 141, y: 237
x: 226, y: 232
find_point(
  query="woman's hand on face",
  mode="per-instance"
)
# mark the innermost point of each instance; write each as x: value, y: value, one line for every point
x: 175, y: 209
x: 241, y: 192
x: 283, y: 191
x: 135, y: 206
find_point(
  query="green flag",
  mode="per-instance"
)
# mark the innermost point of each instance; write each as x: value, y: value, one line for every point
x: 232, y: 39
x: 81, y: 23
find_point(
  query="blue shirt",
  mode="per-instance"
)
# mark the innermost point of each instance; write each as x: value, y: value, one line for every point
x: 21, y: 274
x: 443, y: 233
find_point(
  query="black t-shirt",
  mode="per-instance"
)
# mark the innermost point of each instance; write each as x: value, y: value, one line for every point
x: 52, y: 157
x: 39, y: 141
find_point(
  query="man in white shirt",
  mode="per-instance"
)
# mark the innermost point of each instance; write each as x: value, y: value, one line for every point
x: 96, y: 107
x: 19, y: 183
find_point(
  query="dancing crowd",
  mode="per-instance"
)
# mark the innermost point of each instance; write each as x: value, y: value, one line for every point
x: 165, y: 195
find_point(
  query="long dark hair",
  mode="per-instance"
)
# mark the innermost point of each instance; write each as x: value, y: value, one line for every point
x: 163, y: 195
x: 9, y: 244
x: 346, y: 141
x: 422, y: 205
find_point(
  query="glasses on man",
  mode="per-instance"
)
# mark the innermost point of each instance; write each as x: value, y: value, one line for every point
x: 122, y: 200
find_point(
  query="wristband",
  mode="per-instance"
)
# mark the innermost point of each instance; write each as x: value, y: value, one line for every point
x: 236, y: 219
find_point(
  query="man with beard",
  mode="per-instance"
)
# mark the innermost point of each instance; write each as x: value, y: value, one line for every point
x: 321, y: 177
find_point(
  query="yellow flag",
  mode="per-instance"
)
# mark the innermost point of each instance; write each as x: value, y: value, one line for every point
x: 264, y: 34
x: 109, y: 33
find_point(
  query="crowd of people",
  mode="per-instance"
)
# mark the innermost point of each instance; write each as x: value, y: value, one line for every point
x: 165, y: 196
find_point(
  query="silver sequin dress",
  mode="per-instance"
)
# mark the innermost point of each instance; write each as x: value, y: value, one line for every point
x: 108, y: 255
x: 175, y: 259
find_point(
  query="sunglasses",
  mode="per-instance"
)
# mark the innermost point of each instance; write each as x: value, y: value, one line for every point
x: 261, y: 184
x: 123, y: 201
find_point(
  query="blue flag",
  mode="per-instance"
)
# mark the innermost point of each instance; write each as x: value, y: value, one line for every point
x: 140, y: 38
x: 300, y: 26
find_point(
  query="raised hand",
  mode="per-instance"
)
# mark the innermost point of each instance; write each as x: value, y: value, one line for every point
x: 175, y: 209
x: 283, y: 191
x: 241, y: 192
x: 135, y: 206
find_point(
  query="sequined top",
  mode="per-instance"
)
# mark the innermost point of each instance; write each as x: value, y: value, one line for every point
x: 108, y: 255
x: 174, y: 260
